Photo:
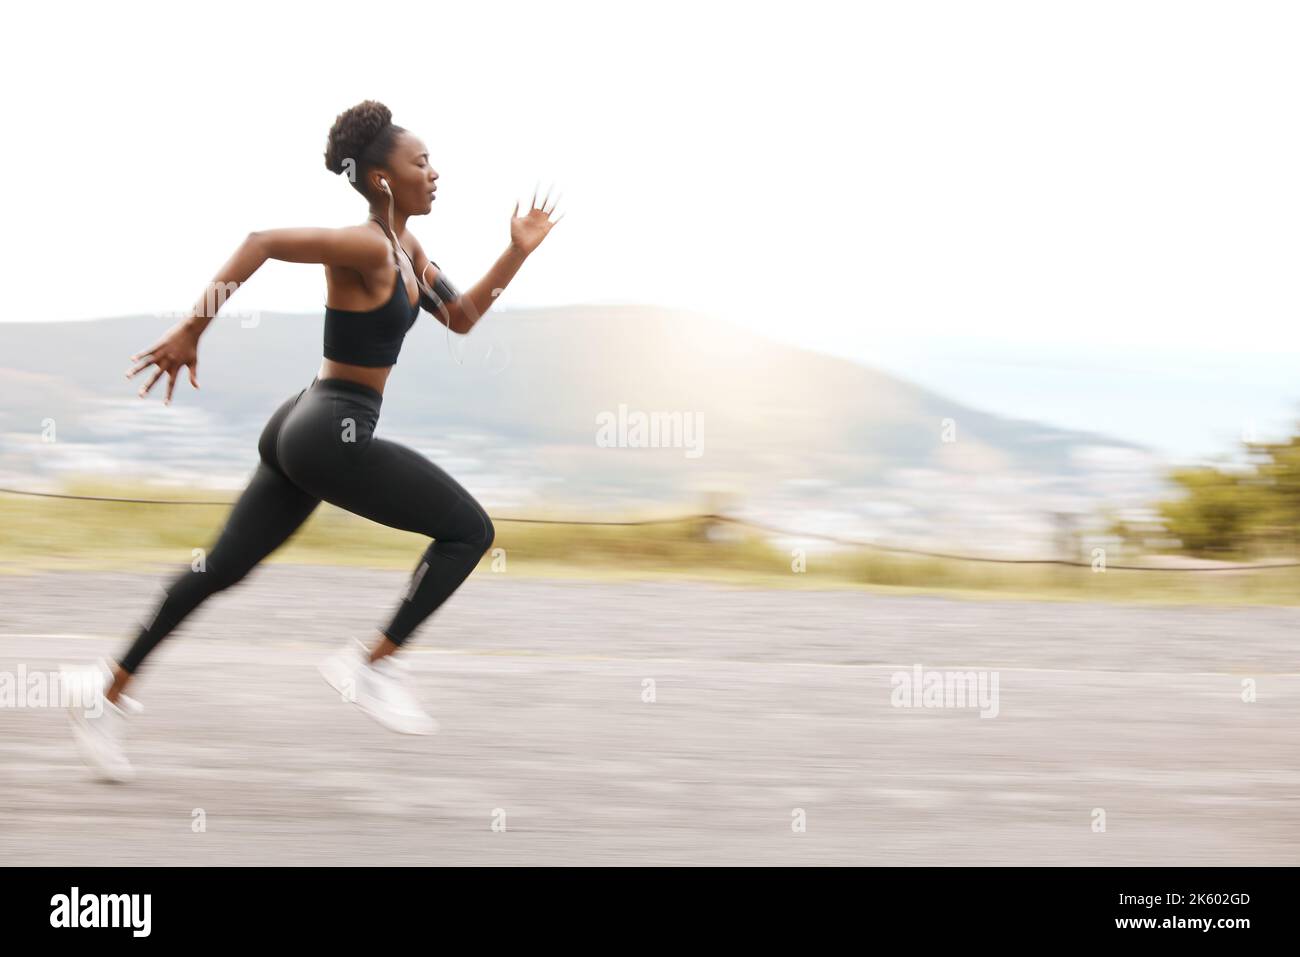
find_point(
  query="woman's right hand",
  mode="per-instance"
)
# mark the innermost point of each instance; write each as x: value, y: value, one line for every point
x: 176, y: 350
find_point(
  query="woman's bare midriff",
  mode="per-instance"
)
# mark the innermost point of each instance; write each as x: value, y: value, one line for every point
x: 373, y: 376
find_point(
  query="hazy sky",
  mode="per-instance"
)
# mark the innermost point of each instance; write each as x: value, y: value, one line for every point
x: 848, y: 176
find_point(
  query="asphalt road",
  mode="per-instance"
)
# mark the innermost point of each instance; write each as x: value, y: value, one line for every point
x: 766, y: 703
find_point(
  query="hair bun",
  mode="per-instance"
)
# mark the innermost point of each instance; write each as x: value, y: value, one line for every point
x: 353, y: 131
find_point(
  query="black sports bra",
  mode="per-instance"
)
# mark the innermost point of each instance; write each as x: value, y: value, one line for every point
x: 374, y: 337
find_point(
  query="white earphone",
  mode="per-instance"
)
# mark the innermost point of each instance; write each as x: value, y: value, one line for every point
x: 384, y: 183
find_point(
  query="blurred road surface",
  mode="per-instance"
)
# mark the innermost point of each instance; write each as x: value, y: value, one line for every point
x: 765, y: 702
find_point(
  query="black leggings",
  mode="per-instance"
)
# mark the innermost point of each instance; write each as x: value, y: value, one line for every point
x: 320, y: 445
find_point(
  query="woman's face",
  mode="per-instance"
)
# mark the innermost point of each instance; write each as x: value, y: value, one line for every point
x: 413, y: 178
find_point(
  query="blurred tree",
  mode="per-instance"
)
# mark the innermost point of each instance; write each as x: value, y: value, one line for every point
x: 1231, y: 511
x: 1212, y: 517
x: 1277, y: 523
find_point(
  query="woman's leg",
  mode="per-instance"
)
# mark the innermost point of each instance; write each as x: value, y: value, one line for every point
x: 396, y: 486
x: 328, y: 448
x: 410, y: 492
x: 268, y: 511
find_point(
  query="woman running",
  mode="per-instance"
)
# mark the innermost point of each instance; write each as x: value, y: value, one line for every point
x: 320, y: 444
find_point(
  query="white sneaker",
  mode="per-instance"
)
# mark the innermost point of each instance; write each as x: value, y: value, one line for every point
x: 99, y: 725
x: 390, y: 701
x: 343, y: 670
x: 380, y: 689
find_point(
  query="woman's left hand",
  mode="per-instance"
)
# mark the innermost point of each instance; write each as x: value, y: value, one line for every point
x: 528, y: 231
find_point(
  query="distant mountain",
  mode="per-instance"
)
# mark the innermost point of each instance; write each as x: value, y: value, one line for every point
x: 543, y: 410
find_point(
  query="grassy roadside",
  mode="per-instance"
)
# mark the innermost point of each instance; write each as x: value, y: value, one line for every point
x: 40, y: 534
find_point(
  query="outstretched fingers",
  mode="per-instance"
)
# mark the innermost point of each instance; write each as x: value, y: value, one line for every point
x: 547, y: 208
x: 145, y: 358
x: 545, y: 200
x: 156, y: 376
x: 138, y: 369
x: 175, y: 377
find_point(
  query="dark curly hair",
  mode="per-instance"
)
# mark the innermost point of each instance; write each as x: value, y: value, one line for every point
x: 361, y: 139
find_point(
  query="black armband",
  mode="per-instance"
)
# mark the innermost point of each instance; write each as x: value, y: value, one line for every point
x: 443, y: 292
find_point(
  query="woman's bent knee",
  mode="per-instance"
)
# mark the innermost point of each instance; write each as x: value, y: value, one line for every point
x: 489, y: 532
x: 472, y: 527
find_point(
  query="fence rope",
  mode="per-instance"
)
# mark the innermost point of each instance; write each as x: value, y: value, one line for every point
x: 730, y: 520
